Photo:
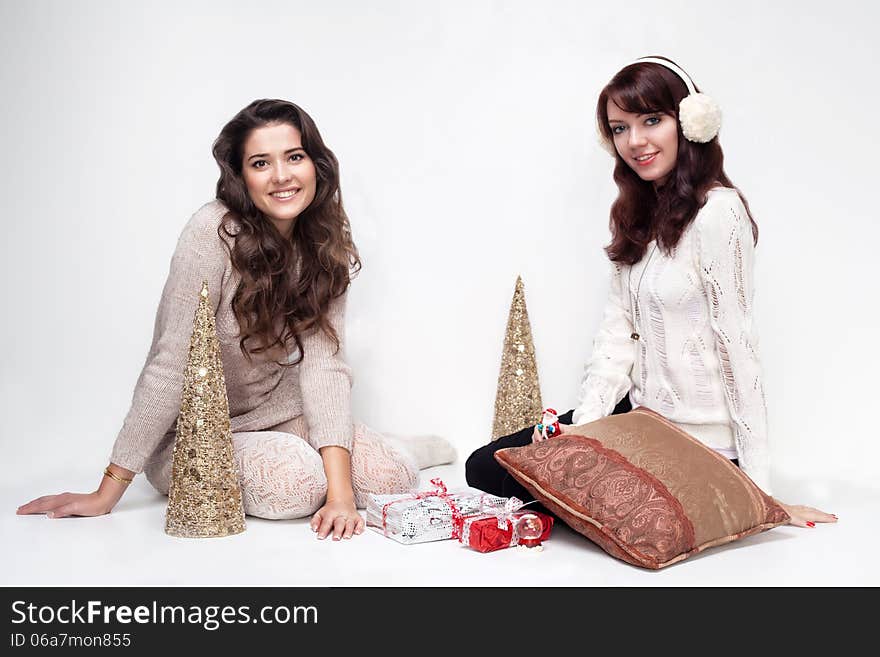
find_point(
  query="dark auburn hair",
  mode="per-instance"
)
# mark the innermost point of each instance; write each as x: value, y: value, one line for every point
x: 643, y: 212
x: 287, y: 284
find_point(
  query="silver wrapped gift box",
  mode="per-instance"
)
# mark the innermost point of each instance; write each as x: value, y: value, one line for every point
x: 427, y: 516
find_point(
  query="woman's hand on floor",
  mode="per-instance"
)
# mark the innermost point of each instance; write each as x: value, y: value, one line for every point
x: 806, y: 516
x: 339, y: 516
x: 70, y: 504
x: 111, y: 489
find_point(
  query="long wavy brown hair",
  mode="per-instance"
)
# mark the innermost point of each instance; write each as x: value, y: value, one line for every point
x: 287, y: 284
x: 643, y: 212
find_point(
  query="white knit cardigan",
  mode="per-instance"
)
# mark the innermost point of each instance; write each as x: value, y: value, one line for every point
x: 695, y: 359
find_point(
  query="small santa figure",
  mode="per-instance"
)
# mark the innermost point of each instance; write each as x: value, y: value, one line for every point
x: 549, y: 425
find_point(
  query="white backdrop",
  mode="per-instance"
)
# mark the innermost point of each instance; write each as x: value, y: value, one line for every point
x: 468, y: 152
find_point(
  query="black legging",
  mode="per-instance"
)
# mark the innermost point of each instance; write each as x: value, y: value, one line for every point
x: 484, y: 472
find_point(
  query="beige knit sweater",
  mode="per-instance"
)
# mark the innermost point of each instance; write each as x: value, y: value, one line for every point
x: 263, y: 395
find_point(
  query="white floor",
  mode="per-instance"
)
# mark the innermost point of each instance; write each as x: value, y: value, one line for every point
x: 130, y: 547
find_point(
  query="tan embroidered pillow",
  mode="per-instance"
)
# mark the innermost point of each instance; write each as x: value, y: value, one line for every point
x: 642, y: 489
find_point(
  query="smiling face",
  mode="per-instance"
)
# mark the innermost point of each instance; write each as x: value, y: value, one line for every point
x: 279, y: 175
x: 648, y: 143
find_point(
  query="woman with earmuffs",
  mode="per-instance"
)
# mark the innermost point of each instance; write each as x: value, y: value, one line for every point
x: 677, y: 333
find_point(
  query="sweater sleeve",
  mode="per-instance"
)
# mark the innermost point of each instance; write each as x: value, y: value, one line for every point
x: 607, y: 373
x: 726, y: 250
x: 200, y: 256
x: 325, y: 383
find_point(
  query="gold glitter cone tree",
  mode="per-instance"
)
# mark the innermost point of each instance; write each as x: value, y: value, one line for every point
x: 518, y: 399
x: 204, y: 499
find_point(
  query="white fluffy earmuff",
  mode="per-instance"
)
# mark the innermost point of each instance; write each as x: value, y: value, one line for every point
x: 698, y: 114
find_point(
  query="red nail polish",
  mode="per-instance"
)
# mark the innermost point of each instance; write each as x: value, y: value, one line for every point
x: 811, y: 524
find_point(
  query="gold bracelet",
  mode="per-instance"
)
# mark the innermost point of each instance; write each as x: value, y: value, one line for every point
x: 116, y: 477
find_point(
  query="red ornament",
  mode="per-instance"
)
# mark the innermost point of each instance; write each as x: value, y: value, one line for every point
x: 549, y: 424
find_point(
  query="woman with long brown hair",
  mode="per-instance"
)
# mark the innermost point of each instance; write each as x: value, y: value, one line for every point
x: 276, y: 250
x: 677, y: 334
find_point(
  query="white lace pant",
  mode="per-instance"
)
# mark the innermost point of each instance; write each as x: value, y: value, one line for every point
x: 282, y: 475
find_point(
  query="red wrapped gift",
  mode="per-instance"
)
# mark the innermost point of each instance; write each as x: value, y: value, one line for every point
x: 503, y: 528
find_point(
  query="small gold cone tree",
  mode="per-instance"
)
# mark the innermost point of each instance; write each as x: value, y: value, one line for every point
x: 204, y: 498
x: 518, y: 398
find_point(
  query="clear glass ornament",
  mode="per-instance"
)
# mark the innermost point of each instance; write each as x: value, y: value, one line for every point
x: 529, y: 528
